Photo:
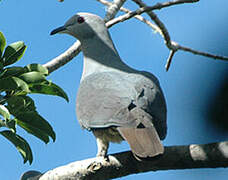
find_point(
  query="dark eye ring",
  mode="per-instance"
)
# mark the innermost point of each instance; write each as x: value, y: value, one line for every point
x: 80, y: 19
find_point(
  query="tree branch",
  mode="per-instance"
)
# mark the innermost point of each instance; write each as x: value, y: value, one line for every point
x: 140, y: 18
x: 173, y: 46
x: 113, y: 9
x: 164, y: 32
x: 63, y: 58
x: 141, y: 10
x: 169, y: 60
x: 193, y: 156
x: 184, y: 48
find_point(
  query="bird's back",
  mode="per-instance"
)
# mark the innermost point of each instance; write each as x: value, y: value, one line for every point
x: 105, y: 99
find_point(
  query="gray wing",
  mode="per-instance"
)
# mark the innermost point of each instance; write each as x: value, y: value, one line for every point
x: 150, y: 98
x: 106, y: 99
x: 103, y: 101
x: 131, y: 102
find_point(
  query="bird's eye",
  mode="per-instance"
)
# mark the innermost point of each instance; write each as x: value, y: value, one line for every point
x: 80, y: 19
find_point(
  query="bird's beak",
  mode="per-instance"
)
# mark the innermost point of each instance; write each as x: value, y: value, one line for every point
x: 61, y: 29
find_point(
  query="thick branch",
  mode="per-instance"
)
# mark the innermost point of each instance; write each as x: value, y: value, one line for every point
x: 63, y: 58
x: 122, y: 164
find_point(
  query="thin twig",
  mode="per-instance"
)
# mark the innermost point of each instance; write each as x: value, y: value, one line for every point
x: 139, y: 11
x: 113, y: 9
x: 173, y: 46
x: 158, y: 22
x: 164, y: 33
x: 169, y: 60
x: 140, y: 18
x: 184, y: 48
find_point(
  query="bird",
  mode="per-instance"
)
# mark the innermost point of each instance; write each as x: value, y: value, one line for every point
x: 115, y: 101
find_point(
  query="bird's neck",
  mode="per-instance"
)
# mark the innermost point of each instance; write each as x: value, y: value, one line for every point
x: 100, y: 55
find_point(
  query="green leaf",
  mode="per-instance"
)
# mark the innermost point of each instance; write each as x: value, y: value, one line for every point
x: 13, y: 84
x: 34, y: 131
x: 4, y: 112
x: 48, y: 88
x: 33, y: 123
x: 20, y: 143
x: 37, y: 67
x: 2, y: 43
x: 20, y: 104
x: 12, y: 71
x: 13, y: 52
x: 32, y: 77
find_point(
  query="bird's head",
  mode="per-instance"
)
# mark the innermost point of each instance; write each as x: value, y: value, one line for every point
x: 82, y: 26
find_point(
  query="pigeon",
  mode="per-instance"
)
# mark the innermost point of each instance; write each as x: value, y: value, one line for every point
x: 115, y: 101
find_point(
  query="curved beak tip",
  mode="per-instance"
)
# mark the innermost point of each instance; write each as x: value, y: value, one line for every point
x: 58, y: 30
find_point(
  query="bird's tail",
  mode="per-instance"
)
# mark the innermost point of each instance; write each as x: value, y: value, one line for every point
x: 143, y: 139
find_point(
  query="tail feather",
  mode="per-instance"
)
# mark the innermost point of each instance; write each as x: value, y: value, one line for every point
x: 144, y: 142
x: 142, y: 137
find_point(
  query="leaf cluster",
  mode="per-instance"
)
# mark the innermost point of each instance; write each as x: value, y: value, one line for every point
x: 16, y: 107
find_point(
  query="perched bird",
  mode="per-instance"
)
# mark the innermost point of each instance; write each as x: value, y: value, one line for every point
x: 115, y: 101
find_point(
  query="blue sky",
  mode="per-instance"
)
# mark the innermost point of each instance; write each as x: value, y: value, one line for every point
x: 187, y: 86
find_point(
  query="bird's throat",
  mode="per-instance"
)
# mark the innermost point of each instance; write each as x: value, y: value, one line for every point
x: 100, y: 55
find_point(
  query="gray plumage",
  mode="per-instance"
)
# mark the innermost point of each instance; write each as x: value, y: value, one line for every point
x: 115, y: 101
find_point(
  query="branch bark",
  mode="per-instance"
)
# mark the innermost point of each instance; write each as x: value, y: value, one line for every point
x: 193, y: 156
x: 140, y: 18
x: 63, y: 58
x: 141, y: 10
x: 113, y: 9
